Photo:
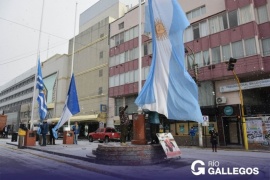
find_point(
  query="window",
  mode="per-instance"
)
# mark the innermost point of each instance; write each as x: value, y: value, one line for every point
x: 136, y: 31
x: 226, y: 52
x: 121, y: 25
x: 266, y: 47
x: 101, y: 55
x: 122, y: 58
x: 127, y: 36
x: 237, y: 49
x: 204, y: 29
x: 262, y: 14
x: 116, y: 80
x: 100, y: 73
x: 188, y: 34
x: 111, y: 81
x: 126, y: 56
x: 198, y: 59
x: 112, y: 42
x: 121, y: 36
x: 136, y: 75
x: 131, y: 76
x: 233, y: 19
x: 250, y: 47
x: 245, y: 15
x: 131, y: 34
x: 112, y: 61
x: 100, y: 90
x: 117, y: 42
x: 122, y: 79
x: 206, y: 58
x: 196, y: 31
x: 215, y: 55
x: 145, y: 50
x: 127, y: 77
x: 218, y: 23
x: 117, y: 59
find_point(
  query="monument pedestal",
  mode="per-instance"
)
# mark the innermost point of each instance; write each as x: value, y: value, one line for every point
x: 139, y: 130
x: 68, y: 137
x: 131, y: 155
x: 30, y: 138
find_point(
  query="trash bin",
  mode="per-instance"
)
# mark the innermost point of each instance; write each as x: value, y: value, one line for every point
x: 14, y: 137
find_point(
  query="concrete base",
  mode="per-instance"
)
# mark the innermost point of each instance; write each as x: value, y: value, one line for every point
x: 131, y: 155
x: 139, y: 130
x: 30, y: 138
x: 68, y: 137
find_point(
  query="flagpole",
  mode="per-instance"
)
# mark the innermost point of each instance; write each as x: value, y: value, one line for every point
x: 140, y: 53
x: 73, y: 48
x: 38, y: 55
x: 139, y: 136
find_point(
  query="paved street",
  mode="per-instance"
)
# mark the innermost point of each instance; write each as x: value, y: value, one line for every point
x: 69, y: 161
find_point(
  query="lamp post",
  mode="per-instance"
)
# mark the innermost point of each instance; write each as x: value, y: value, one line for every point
x: 231, y: 63
x: 195, y: 70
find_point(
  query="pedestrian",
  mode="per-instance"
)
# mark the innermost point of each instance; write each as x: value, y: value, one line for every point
x: 124, y: 123
x: 22, y: 133
x: 154, y: 126
x: 192, y: 134
x: 213, y: 139
x: 76, y: 130
x: 52, y: 138
x: 5, y: 131
x: 44, y: 131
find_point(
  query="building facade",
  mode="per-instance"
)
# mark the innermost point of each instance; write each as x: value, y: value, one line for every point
x: 218, y: 31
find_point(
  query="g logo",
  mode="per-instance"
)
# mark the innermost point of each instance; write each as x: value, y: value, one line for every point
x: 201, y: 170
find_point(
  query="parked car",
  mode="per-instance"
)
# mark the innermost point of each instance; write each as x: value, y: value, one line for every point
x: 104, y: 135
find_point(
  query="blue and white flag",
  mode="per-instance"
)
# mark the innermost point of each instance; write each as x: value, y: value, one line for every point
x: 71, y: 106
x: 41, y: 96
x: 169, y: 89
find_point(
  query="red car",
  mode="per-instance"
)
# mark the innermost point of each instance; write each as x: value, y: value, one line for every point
x: 104, y: 135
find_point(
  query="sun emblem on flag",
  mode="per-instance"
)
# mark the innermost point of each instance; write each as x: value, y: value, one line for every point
x: 161, y: 32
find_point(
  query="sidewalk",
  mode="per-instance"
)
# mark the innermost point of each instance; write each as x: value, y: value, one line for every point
x: 170, y: 169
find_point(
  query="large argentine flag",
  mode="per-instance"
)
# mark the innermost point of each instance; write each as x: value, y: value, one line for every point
x: 169, y: 89
x: 41, y: 96
x: 71, y: 106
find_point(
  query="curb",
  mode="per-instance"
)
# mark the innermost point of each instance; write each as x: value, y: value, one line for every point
x: 86, y: 158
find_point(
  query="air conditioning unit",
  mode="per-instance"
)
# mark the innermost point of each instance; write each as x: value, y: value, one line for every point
x: 221, y: 100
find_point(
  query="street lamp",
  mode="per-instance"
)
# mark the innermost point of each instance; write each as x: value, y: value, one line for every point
x: 231, y: 63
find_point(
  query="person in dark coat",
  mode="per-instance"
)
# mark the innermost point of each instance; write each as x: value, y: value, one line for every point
x: 52, y: 138
x: 154, y: 125
x: 124, y: 122
x: 213, y: 139
x: 44, y: 130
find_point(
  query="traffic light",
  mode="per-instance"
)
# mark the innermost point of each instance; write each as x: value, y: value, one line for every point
x: 232, y: 61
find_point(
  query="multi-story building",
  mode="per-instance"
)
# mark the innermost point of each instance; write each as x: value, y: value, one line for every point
x: 91, y: 62
x: 17, y: 95
x: 218, y: 31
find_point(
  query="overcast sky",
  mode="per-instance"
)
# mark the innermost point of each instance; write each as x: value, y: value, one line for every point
x: 20, y: 23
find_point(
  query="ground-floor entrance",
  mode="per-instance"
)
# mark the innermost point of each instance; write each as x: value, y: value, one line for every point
x: 232, y: 130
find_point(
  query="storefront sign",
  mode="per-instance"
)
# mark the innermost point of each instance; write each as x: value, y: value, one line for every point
x: 246, y: 85
x: 228, y: 110
x: 205, y: 121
